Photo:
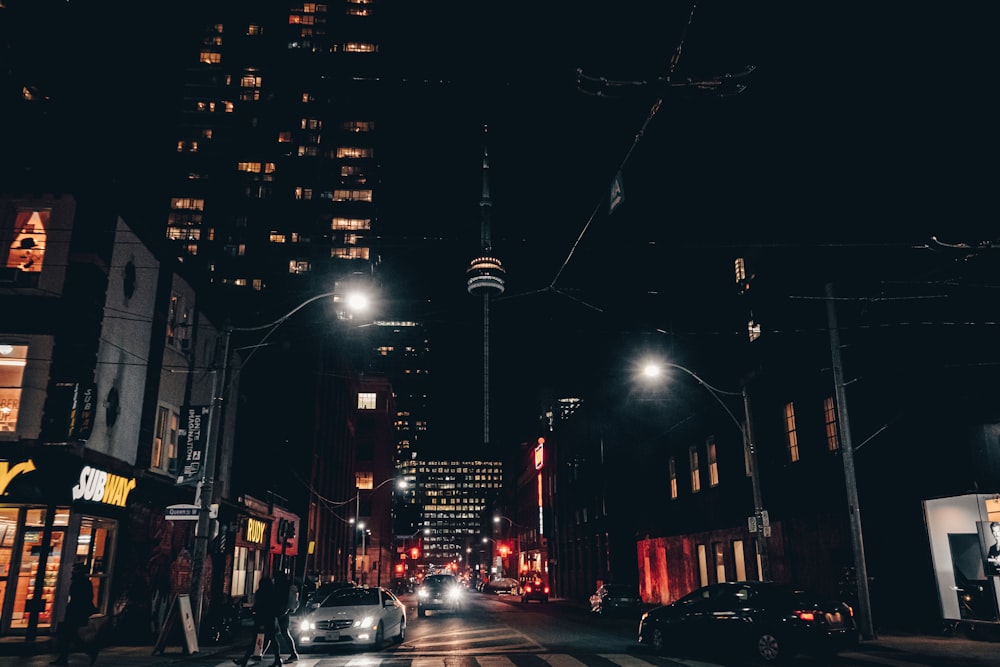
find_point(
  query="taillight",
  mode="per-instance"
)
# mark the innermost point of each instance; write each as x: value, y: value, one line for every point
x: 546, y: 590
x: 850, y: 610
x: 527, y: 589
x: 806, y: 615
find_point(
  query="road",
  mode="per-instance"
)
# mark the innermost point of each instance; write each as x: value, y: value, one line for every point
x: 500, y: 631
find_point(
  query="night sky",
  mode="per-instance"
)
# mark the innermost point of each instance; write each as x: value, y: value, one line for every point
x: 861, y: 123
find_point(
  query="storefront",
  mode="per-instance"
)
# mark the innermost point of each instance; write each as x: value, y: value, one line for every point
x: 56, y: 509
x: 250, y: 551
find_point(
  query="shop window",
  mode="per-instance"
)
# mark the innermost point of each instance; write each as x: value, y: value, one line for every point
x: 13, y: 359
x: 29, y: 559
x: 94, y: 548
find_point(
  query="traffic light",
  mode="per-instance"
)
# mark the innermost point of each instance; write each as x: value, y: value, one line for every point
x: 414, y: 553
x: 504, y: 550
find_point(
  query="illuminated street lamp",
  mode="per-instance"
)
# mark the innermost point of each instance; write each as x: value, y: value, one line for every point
x: 220, y: 389
x: 516, y: 528
x: 761, y: 523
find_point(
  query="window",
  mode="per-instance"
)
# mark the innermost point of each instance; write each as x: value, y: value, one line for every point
x: 702, y: 565
x: 739, y: 560
x: 791, y: 437
x: 349, y: 253
x: 350, y: 224
x: 360, y: 47
x: 753, y: 330
x: 178, y: 323
x: 830, y: 418
x: 366, y: 400
x: 713, y: 463
x: 352, y: 195
x: 13, y: 359
x: 164, y: 455
x: 720, y: 562
x: 673, y: 477
x: 353, y: 152
x: 695, y: 472
x: 299, y: 266
x: 28, y: 249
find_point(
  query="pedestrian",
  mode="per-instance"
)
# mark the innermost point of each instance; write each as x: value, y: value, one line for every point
x: 265, y: 621
x: 287, y: 596
x: 78, y: 611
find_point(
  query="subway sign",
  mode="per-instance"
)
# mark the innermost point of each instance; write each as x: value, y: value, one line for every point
x: 100, y: 486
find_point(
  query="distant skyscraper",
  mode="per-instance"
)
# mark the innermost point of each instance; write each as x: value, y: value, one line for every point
x: 485, y: 279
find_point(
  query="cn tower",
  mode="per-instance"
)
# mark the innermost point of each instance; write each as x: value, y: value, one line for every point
x: 485, y: 280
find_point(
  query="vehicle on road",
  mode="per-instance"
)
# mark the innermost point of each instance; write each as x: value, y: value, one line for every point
x: 611, y: 599
x: 766, y: 621
x: 315, y: 598
x: 439, y: 592
x: 534, y: 590
x: 502, y: 586
x: 352, y: 615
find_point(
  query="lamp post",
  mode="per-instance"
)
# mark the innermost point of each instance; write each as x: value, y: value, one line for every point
x: 206, y: 483
x: 761, y: 524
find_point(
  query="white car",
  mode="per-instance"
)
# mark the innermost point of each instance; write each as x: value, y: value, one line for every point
x: 356, y: 616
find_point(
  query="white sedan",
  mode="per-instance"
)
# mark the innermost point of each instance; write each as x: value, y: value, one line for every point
x: 361, y: 615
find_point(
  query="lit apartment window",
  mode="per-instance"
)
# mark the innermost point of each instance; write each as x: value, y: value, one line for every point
x: 284, y: 137
x: 791, y: 437
x: 353, y: 152
x: 360, y: 47
x: 713, y: 463
x: 366, y: 400
x: 352, y: 195
x: 27, y: 251
x: 253, y: 30
x: 354, y: 252
x: 830, y: 418
x: 308, y: 151
x: 277, y: 237
x: 358, y: 11
x: 359, y: 125
x: 187, y: 204
x: 210, y: 57
x: 311, y: 124
x: 303, y: 193
x: 258, y: 284
x: 740, y: 269
x: 695, y: 471
x: 753, y: 330
x: 299, y: 266
x: 13, y: 359
x: 350, y: 224
x: 164, y: 455
x: 673, y: 477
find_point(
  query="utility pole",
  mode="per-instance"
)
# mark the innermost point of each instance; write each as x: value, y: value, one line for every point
x: 847, y: 451
x: 763, y: 527
x: 206, y: 485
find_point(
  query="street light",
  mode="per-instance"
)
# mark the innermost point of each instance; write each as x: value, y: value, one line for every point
x: 761, y: 523
x: 220, y: 388
x: 516, y: 527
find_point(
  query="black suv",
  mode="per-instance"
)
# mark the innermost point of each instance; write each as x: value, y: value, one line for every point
x: 439, y: 592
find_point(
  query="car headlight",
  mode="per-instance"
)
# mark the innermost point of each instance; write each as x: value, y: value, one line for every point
x: 364, y: 622
x: 454, y: 593
x: 306, y: 625
x: 421, y: 593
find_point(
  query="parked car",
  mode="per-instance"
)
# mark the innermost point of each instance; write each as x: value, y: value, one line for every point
x: 534, y: 590
x: 504, y: 585
x: 353, y: 614
x: 763, y: 620
x: 611, y: 599
x: 439, y: 592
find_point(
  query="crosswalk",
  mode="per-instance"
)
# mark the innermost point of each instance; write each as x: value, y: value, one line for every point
x: 465, y: 659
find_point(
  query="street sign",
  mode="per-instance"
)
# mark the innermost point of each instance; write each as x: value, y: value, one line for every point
x: 182, y: 512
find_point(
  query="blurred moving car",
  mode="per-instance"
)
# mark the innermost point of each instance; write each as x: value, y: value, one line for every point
x: 439, y: 592
x: 534, y: 590
x: 504, y: 585
x: 766, y: 621
x: 611, y: 599
x: 352, y: 614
